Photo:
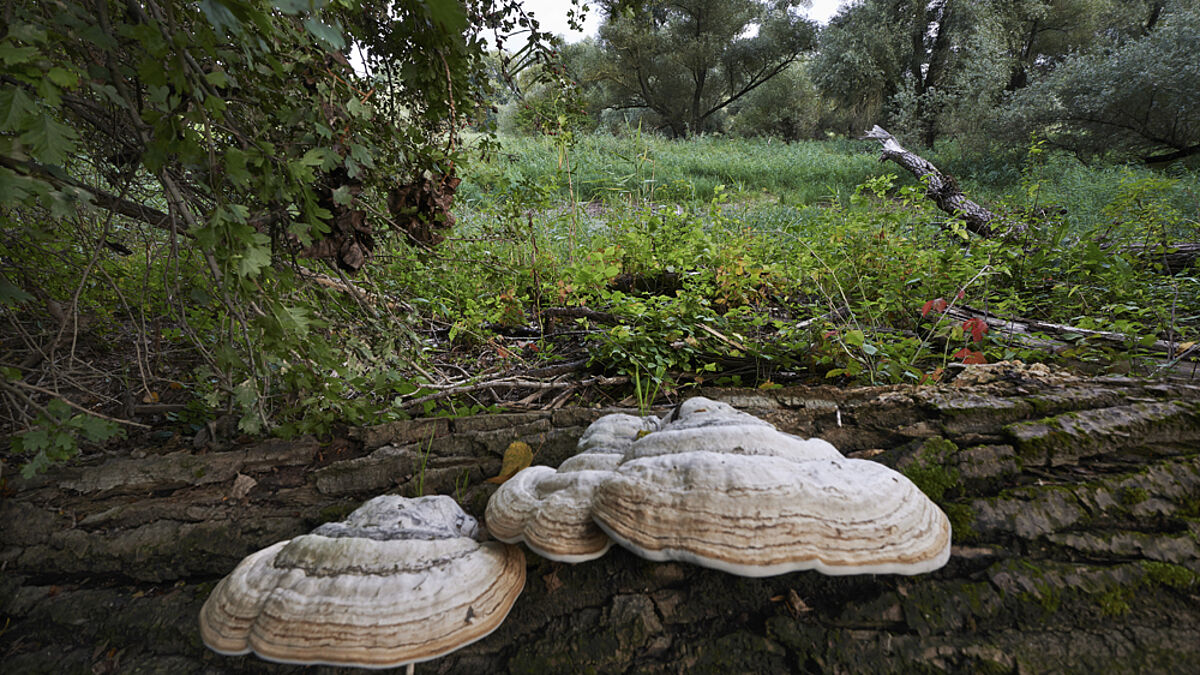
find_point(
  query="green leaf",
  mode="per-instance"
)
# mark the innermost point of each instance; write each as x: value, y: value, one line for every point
x: 362, y: 155
x: 217, y: 78
x: 63, y: 77
x: 16, y: 109
x: 292, y: 7
x: 15, y: 188
x: 255, y: 256
x: 12, y: 295
x: 342, y: 196
x: 11, y: 54
x: 318, y: 157
x: 855, y: 338
x: 222, y: 20
x: 330, y: 35
x: 95, y: 429
x: 235, y: 166
x: 449, y: 15
x: 51, y: 141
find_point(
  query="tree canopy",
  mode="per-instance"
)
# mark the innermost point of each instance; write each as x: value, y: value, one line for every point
x: 687, y: 60
x: 231, y: 140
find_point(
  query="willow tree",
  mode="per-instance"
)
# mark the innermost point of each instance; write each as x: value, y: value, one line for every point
x: 1132, y: 94
x: 929, y: 68
x: 685, y: 61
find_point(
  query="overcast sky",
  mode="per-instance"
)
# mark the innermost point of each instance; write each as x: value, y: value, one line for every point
x: 552, y: 14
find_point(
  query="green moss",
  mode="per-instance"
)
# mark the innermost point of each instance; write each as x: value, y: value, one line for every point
x: 335, y: 512
x: 1115, y: 601
x: 928, y: 469
x: 962, y: 522
x: 1048, y: 596
x: 1168, y: 574
x: 1129, y: 496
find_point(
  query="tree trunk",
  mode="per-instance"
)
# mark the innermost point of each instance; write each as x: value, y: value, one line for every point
x: 1074, y: 502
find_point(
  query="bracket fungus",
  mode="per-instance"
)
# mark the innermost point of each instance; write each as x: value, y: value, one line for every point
x: 399, y: 581
x: 718, y: 487
x: 760, y: 516
x: 551, y: 509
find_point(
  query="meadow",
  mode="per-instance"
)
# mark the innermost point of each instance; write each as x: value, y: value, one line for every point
x: 756, y: 262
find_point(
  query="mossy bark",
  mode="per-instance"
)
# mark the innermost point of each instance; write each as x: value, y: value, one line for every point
x: 1076, y: 508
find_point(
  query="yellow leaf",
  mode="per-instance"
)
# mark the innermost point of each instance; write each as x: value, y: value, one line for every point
x: 518, y: 456
x: 1186, y: 346
x: 150, y: 397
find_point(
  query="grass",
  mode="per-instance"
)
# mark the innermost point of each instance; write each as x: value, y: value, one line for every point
x: 617, y: 168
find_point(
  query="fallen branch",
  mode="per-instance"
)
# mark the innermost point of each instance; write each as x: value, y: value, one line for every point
x: 940, y: 187
x: 510, y: 383
x: 349, y: 288
x: 1052, y: 337
x: 70, y: 403
x: 1174, y: 257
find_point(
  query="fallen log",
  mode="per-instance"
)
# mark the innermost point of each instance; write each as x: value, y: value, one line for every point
x: 1073, y: 503
x: 1174, y: 258
x: 1180, y: 360
x: 940, y: 187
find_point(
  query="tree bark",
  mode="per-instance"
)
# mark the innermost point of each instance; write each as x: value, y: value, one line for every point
x: 1074, y: 504
x: 940, y: 187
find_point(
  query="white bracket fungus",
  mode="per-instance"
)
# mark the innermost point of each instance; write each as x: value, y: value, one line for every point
x: 400, y: 581
x: 717, y: 487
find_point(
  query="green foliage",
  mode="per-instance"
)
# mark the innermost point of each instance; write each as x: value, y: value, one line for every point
x: 230, y: 144
x: 1130, y: 97
x: 55, y: 435
x: 716, y: 266
x: 787, y: 107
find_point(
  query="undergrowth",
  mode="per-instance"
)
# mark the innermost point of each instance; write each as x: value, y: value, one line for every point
x: 663, y: 265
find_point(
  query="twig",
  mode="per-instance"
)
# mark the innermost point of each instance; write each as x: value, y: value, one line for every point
x: 513, y: 383
x: 47, y: 392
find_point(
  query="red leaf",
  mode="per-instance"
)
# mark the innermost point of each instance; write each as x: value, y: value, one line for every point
x: 938, y: 304
x: 961, y: 294
x: 935, y: 376
x: 970, y: 356
x: 976, y: 327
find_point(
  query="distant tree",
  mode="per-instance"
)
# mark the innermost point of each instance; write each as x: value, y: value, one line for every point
x: 788, y: 107
x: 1139, y: 95
x: 687, y: 60
x: 929, y: 67
x: 877, y: 49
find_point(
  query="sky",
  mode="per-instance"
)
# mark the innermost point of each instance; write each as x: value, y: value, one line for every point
x: 552, y: 14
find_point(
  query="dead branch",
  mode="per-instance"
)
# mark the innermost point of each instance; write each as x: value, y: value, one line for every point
x: 1174, y: 257
x: 511, y: 383
x: 940, y: 187
x: 1051, y: 337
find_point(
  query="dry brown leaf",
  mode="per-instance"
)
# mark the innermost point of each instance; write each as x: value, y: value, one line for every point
x: 518, y: 456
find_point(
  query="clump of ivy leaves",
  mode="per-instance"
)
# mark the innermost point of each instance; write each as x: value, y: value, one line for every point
x: 225, y: 127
